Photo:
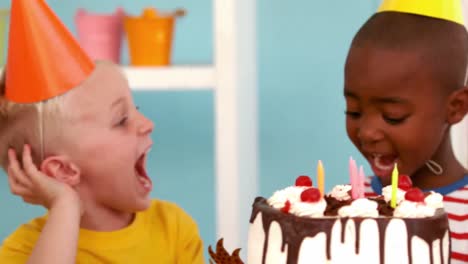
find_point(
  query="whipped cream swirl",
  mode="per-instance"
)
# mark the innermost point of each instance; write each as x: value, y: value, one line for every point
x: 308, y: 209
x: 360, y: 207
x: 341, y: 192
x: 434, y: 200
x: 279, y: 198
x: 387, y: 193
x: 408, y: 209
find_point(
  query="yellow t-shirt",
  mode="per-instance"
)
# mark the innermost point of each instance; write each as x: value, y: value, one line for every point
x: 163, y: 233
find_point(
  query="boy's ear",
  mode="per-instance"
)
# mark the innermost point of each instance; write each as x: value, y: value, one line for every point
x: 457, y: 105
x: 62, y: 169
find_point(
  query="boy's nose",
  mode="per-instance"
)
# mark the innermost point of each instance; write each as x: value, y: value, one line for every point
x: 369, y: 134
x: 146, y: 126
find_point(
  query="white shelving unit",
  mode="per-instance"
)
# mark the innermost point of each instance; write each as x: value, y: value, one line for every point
x: 233, y: 80
x: 183, y: 77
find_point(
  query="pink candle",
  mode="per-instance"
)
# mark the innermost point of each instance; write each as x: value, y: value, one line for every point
x: 362, y: 179
x: 353, y: 173
x: 351, y: 181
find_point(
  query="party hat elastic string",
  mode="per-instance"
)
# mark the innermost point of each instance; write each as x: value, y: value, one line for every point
x: 40, y: 110
x: 434, y: 167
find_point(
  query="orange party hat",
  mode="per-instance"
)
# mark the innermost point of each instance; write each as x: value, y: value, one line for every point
x: 44, y: 59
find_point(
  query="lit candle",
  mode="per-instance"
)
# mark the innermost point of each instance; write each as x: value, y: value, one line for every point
x: 320, y: 177
x: 394, y: 186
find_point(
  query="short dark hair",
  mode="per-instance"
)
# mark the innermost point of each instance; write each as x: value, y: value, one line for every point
x: 443, y: 44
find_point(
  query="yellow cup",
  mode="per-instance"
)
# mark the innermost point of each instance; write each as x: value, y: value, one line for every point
x: 150, y: 37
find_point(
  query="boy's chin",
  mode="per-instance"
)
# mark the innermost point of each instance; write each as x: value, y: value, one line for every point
x: 143, y: 204
x: 138, y: 205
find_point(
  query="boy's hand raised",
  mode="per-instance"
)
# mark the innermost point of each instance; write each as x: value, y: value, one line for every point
x: 37, y: 188
x: 65, y: 209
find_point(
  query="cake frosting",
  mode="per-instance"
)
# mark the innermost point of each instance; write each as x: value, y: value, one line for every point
x: 299, y: 225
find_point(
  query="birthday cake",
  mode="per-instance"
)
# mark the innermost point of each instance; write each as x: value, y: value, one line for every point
x: 299, y: 225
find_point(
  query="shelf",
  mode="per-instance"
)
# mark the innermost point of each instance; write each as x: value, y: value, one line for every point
x: 184, y: 77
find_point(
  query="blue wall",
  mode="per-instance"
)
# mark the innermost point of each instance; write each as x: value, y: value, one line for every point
x: 302, y: 48
x: 302, y: 45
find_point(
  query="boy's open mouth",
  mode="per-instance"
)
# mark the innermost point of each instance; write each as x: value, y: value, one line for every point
x: 142, y: 175
x: 383, y: 165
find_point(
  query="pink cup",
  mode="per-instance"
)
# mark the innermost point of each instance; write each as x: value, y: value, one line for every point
x: 100, y: 35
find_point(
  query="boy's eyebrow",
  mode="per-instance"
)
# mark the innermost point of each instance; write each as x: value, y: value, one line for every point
x: 383, y: 100
x: 390, y: 100
x: 120, y: 100
x: 350, y: 94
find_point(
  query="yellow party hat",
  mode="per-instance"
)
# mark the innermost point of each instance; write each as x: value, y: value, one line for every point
x: 450, y: 10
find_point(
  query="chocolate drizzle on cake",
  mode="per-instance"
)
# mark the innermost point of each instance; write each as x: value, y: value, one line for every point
x: 357, y: 225
x: 437, y: 230
x: 295, y: 229
x: 382, y: 224
x: 343, y: 229
x: 358, y: 222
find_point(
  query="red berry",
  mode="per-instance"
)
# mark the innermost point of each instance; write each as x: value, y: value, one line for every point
x: 404, y: 182
x: 415, y: 195
x: 304, y: 180
x: 286, y: 207
x: 310, y: 195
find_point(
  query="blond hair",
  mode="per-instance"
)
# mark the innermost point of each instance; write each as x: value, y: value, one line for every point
x: 36, y: 124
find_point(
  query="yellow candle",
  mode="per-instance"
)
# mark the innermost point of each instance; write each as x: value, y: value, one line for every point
x: 320, y: 177
x: 394, y: 186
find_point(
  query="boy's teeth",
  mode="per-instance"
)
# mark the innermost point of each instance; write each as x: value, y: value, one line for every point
x: 143, y: 180
x: 380, y: 164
